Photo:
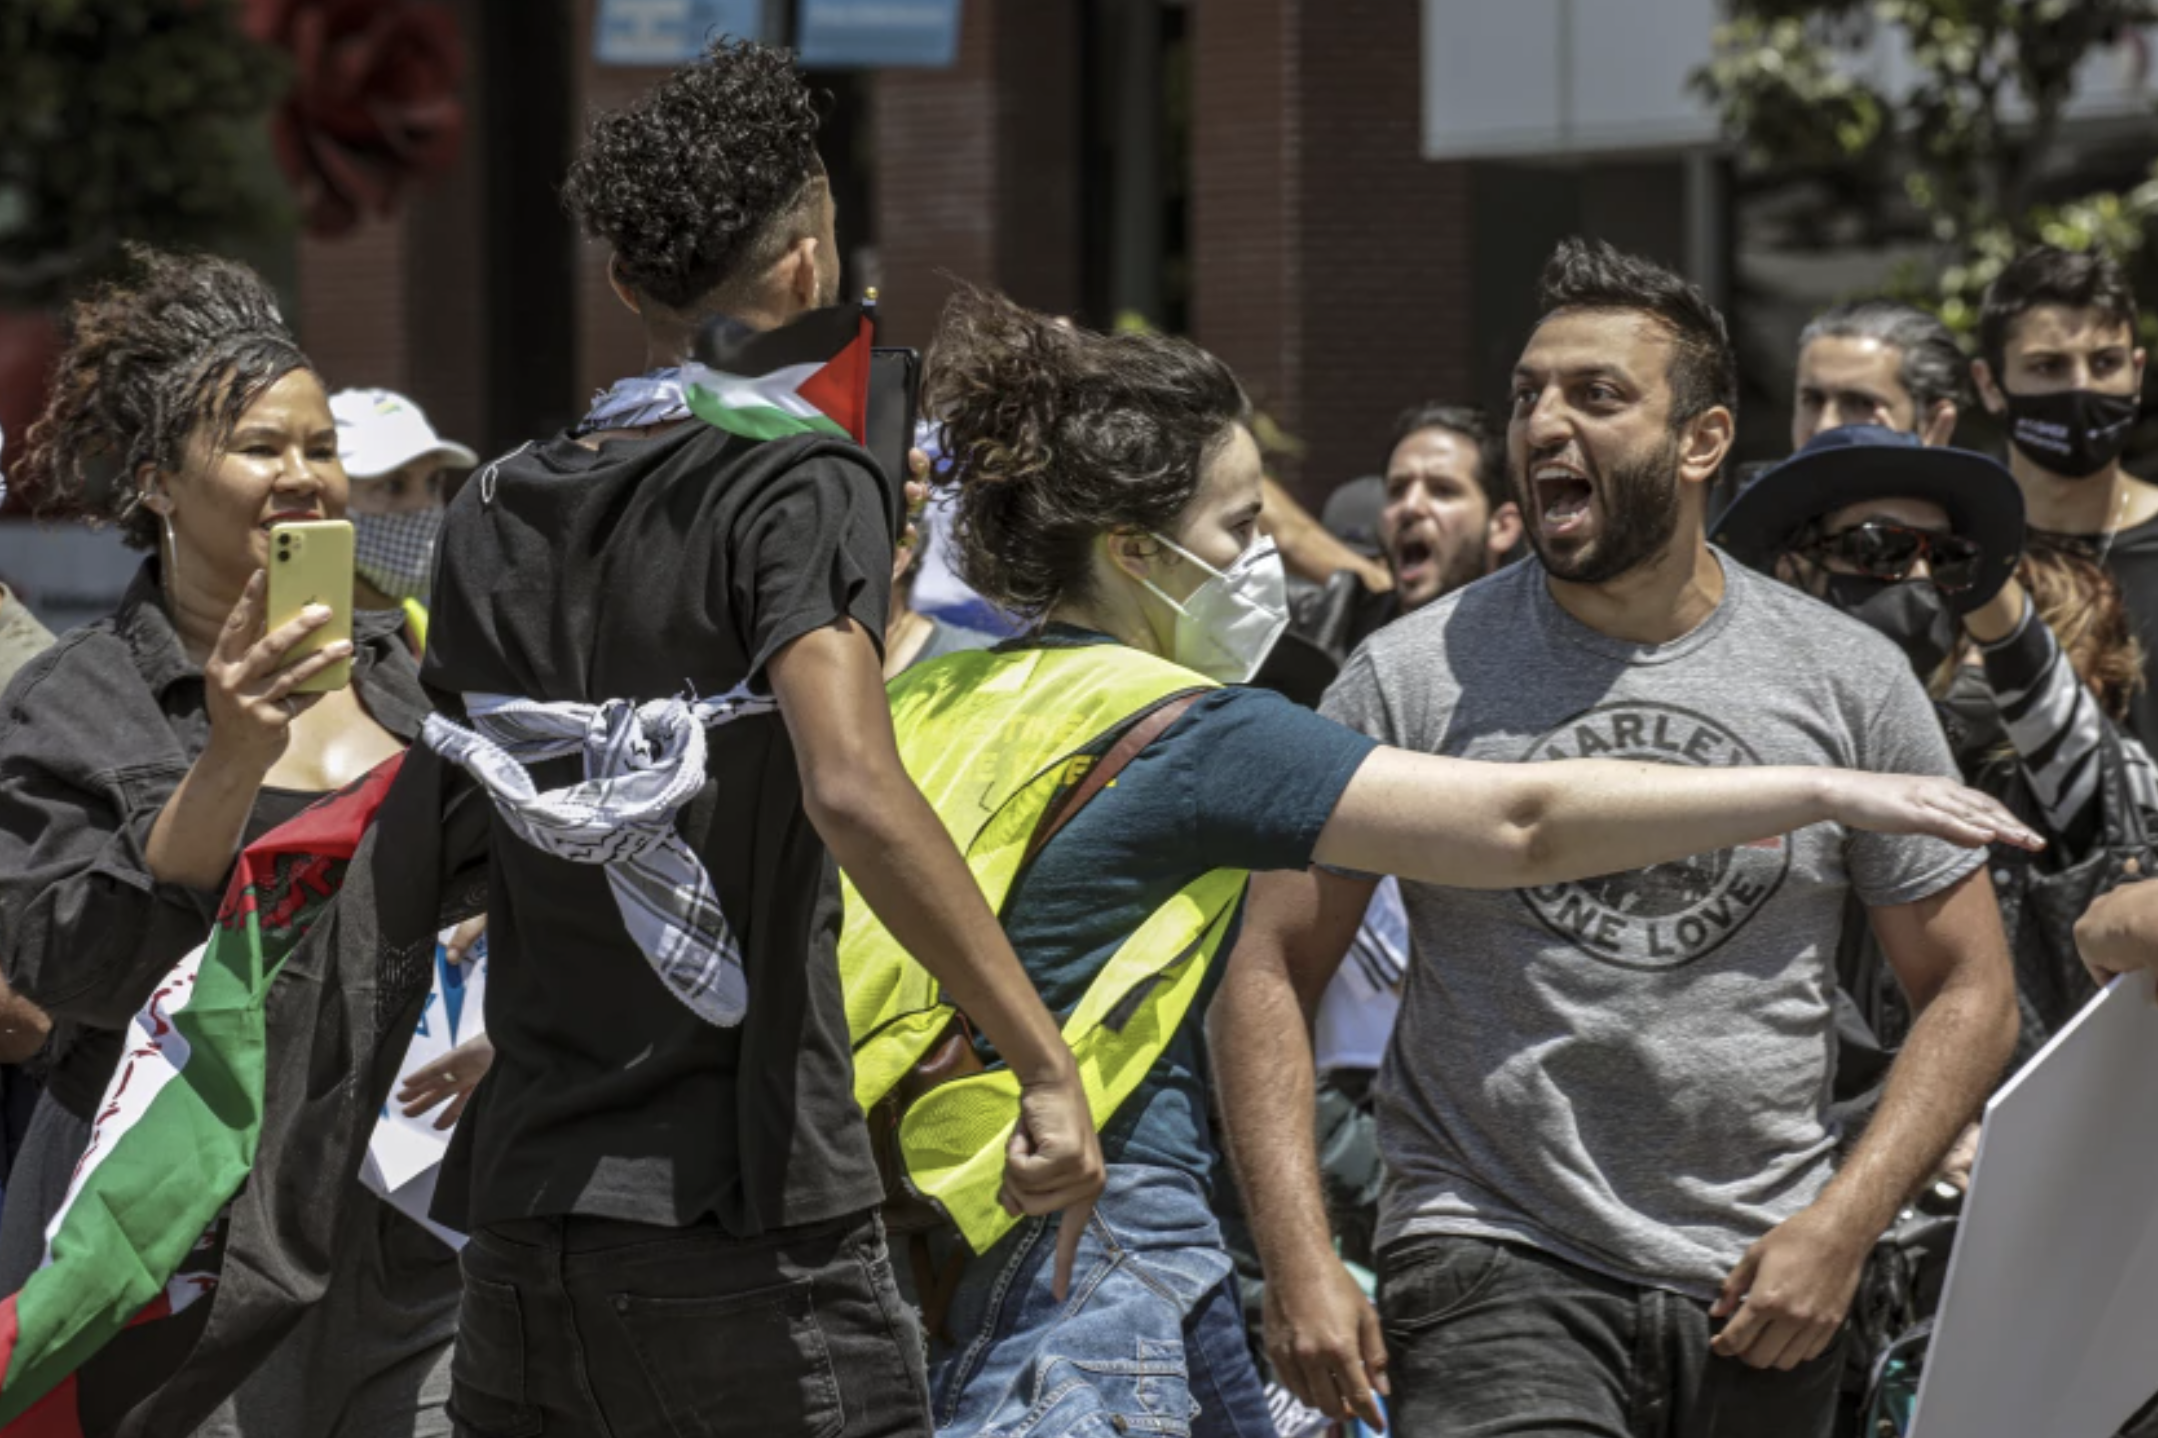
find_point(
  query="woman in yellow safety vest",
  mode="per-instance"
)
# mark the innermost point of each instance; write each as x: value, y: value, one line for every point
x: 1113, y: 786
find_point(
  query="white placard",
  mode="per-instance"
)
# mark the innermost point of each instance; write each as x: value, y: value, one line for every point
x: 2049, y: 1325
x: 404, y: 1155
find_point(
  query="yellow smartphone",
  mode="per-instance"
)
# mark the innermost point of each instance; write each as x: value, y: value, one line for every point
x: 311, y: 563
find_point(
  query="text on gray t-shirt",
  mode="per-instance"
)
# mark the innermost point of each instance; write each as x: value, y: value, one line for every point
x: 1632, y: 1072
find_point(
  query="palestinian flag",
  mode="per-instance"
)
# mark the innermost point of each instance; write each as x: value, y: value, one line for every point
x: 807, y: 377
x: 138, y: 1238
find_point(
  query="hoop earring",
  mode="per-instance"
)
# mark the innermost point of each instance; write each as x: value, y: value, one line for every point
x: 172, y: 554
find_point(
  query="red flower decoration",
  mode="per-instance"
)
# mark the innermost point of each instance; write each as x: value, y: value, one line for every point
x: 374, y: 103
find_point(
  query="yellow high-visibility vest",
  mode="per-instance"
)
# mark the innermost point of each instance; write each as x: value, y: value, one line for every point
x: 416, y: 620
x: 991, y: 739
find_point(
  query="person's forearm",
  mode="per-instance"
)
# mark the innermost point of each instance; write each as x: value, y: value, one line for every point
x: 1259, y: 1037
x: 1999, y: 617
x: 888, y: 839
x: 1951, y: 1059
x: 1308, y: 549
x: 1513, y: 826
x: 197, y: 834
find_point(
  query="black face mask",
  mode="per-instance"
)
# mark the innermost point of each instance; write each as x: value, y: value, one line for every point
x: 1911, y: 613
x: 2075, y: 433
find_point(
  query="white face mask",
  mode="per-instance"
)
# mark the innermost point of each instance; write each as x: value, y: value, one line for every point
x: 1227, y: 626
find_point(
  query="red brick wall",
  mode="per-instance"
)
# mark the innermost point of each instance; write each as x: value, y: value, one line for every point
x: 978, y: 166
x: 610, y: 341
x: 1245, y: 196
x: 1330, y: 259
x: 398, y: 303
x: 1385, y: 236
x: 352, y: 292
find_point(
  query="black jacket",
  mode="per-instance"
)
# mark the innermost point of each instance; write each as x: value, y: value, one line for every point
x: 95, y: 735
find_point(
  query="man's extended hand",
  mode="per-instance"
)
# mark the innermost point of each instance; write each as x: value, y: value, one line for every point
x: 1322, y: 1336
x: 1054, y: 1162
x: 1788, y: 1296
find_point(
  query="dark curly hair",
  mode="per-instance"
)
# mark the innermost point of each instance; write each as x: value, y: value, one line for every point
x: 177, y: 343
x: 1056, y: 435
x: 1597, y: 275
x: 694, y: 184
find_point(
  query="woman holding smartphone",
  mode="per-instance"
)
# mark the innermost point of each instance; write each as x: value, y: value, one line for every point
x: 1109, y: 489
x: 140, y: 753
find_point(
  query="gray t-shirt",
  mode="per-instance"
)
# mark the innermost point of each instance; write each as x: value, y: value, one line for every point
x: 1632, y: 1072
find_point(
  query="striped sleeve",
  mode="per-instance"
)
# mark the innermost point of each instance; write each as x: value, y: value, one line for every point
x: 2057, y: 728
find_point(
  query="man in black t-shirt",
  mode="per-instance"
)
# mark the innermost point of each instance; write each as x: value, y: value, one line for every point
x: 2059, y: 363
x: 672, y: 1215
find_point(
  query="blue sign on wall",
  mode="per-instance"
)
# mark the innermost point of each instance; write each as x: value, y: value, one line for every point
x: 671, y: 32
x: 849, y: 34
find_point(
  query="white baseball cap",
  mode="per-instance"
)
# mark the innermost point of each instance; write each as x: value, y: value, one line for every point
x: 380, y: 431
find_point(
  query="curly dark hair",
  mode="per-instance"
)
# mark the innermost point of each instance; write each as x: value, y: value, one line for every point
x: 1056, y: 435
x: 695, y: 183
x: 177, y: 343
x: 1597, y: 275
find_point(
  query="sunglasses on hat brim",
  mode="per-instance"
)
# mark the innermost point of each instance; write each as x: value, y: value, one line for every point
x: 1880, y: 550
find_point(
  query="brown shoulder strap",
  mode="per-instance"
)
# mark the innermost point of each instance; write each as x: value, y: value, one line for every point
x: 1129, y: 745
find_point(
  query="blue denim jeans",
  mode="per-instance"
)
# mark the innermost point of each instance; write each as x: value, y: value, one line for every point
x: 1148, y: 1340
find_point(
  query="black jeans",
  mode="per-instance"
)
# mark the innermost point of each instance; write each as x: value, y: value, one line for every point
x: 1489, y: 1339
x: 594, y: 1328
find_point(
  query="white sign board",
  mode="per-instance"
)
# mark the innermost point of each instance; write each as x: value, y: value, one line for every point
x: 2049, y: 1325
x: 404, y: 1155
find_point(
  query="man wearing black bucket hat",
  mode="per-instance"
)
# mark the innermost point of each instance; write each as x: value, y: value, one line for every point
x: 1915, y: 541
x: 1911, y: 540
x: 1863, y: 507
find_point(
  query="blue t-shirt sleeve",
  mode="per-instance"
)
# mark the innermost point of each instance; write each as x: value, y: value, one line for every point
x: 1259, y: 776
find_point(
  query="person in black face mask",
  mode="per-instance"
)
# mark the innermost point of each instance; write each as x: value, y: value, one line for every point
x: 1924, y: 545
x: 2059, y: 365
x: 1907, y: 538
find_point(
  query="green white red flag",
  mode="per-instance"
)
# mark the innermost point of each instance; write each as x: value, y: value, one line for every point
x: 810, y: 376
x: 177, y: 1132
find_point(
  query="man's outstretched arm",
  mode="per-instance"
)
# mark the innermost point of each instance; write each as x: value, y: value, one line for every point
x: 1321, y: 1333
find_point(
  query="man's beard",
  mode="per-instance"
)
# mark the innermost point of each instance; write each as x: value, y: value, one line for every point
x: 1639, y: 504
x: 1466, y: 563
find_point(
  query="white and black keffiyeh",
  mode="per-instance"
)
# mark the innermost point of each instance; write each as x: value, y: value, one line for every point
x: 642, y: 763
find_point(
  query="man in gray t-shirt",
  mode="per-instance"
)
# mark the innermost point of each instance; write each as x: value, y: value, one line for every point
x: 1640, y: 1086
x: 1612, y: 1197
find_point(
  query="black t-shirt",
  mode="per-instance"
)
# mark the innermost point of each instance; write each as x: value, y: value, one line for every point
x: 645, y: 569
x: 2132, y: 560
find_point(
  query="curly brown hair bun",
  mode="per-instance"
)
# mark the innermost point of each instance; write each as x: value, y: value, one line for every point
x: 180, y: 342
x: 688, y: 183
x: 1056, y: 435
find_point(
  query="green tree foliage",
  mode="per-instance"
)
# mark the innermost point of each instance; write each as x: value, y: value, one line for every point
x: 128, y: 120
x: 1970, y: 138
